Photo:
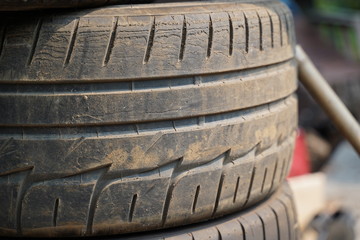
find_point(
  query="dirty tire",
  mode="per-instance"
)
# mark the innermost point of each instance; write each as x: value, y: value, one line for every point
x: 273, y: 219
x: 21, y: 5
x: 185, y: 113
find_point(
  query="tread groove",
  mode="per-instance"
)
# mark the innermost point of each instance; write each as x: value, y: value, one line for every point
x: 287, y: 28
x: 210, y: 39
x: 100, y: 183
x: 111, y: 42
x: 5, y: 145
x: 2, y: 39
x: 132, y: 208
x: 236, y: 189
x: 260, y: 32
x: 17, y: 132
x: 271, y: 29
x: 277, y: 222
x: 72, y: 42
x: 196, y: 198
x: 273, y: 177
x: 167, y: 203
x: 150, y: 41
x: 283, y: 170
x: 287, y: 217
x: 263, y: 181
x: 55, y: 213
x: 218, y: 195
x: 231, y: 36
x: 246, y: 33
x: 243, y: 229
x: 35, y: 41
x: 26, y: 183
x: 280, y: 27
x: 263, y: 226
x: 219, y: 234
x: 183, y: 39
x: 250, y: 186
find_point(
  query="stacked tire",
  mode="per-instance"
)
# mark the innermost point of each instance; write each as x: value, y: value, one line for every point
x: 147, y: 121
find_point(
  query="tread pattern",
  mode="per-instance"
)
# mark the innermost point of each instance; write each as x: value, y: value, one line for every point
x: 110, y: 103
x: 209, y: 38
x: 20, y: 5
x: 102, y: 153
x: 109, y: 201
x: 273, y: 219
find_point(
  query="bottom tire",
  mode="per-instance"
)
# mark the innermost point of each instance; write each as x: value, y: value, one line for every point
x: 273, y: 219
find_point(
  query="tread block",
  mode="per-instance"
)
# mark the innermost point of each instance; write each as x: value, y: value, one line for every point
x: 11, y: 190
x: 59, y: 203
x: 190, y: 198
x: 133, y: 201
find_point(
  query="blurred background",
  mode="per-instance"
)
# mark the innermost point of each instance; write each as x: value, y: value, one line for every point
x: 326, y: 172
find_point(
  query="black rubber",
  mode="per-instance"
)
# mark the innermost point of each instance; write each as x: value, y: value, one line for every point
x: 125, y: 43
x: 273, y: 219
x: 22, y: 5
x: 184, y: 113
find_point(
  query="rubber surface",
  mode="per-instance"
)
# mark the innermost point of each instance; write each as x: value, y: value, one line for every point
x: 21, y: 5
x: 123, y: 43
x: 122, y: 140
x: 273, y: 219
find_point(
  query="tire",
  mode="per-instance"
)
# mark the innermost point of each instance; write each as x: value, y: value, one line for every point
x: 21, y: 5
x: 221, y: 142
x: 273, y: 219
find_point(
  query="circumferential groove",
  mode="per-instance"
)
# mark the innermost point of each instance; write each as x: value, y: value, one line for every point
x: 72, y: 42
x: 210, y: 39
x: 112, y: 37
x: 196, y: 198
x: 246, y: 33
x: 260, y: 32
x: 35, y: 41
x: 236, y: 189
x: 150, y: 42
x: 263, y: 182
x: 183, y: 40
x: 231, y: 36
x: 132, y: 207
x: 55, y: 213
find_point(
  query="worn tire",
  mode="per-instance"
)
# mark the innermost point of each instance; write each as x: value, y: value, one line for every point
x: 21, y: 5
x: 185, y: 113
x: 272, y: 219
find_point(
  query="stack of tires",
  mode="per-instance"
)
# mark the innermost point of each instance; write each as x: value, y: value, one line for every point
x: 147, y: 121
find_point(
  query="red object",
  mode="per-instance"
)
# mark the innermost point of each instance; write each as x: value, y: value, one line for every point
x: 301, y: 159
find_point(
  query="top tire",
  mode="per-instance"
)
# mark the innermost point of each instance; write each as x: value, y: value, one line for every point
x: 21, y: 5
x: 127, y: 119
